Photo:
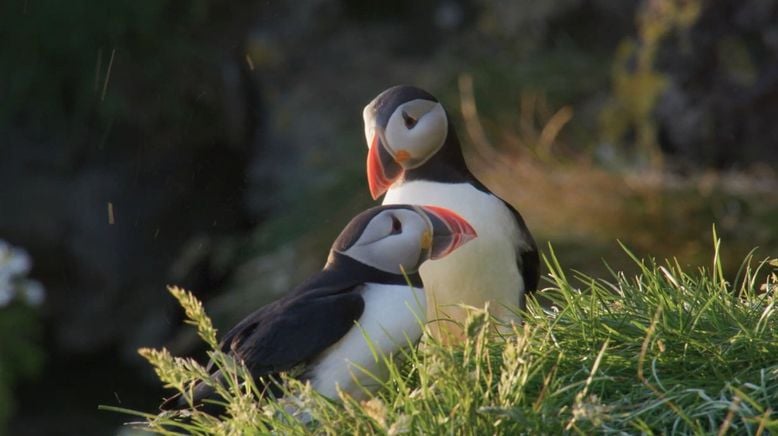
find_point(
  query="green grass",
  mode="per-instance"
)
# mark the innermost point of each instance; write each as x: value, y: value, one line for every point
x: 666, y: 351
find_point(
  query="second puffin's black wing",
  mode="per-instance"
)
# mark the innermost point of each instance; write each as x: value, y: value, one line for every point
x: 528, y: 256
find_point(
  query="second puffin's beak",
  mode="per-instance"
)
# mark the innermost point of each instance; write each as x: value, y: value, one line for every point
x: 449, y: 231
x: 382, y: 169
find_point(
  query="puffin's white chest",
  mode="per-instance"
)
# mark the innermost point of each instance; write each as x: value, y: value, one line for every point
x: 393, y: 319
x: 482, y: 270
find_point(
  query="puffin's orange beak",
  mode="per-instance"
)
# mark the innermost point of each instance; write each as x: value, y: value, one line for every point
x: 382, y: 170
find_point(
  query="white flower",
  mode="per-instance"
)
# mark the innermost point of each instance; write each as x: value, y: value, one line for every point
x: 15, y: 264
x: 14, y: 261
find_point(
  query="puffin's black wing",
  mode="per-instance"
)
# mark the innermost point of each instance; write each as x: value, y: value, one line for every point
x: 295, y: 329
x: 529, y: 259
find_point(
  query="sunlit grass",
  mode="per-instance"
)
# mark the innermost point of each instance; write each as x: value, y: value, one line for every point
x: 668, y: 350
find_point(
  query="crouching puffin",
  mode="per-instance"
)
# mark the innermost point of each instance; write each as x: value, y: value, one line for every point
x: 415, y: 157
x: 319, y: 329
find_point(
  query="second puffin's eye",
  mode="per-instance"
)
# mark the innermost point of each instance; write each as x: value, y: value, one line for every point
x: 397, y: 226
x: 410, y: 122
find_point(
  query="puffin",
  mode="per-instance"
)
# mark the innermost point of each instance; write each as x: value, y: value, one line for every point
x: 336, y: 328
x: 414, y: 157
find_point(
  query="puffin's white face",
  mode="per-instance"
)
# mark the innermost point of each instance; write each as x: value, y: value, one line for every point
x: 398, y: 238
x: 416, y: 130
x: 393, y: 238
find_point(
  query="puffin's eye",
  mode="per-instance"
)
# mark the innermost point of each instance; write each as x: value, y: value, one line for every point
x: 410, y: 122
x: 397, y: 226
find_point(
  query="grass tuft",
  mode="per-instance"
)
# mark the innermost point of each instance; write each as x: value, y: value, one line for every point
x: 668, y: 350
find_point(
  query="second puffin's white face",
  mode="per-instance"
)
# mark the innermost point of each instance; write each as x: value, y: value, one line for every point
x: 416, y: 130
x: 393, y: 238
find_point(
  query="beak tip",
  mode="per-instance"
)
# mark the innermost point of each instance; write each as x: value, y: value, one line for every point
x: 375, y: 186
x: 456, y: 231
x: 467, y: 229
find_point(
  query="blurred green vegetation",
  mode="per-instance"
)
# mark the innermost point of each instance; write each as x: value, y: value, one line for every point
x: 21, y: 357
x: 80, y: 68
x: 636, y: 84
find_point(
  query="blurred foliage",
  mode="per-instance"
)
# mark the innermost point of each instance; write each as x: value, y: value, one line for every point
x: 564, y: 74
x: 636, y: 84
x: 734, y: 54
x: 21, y: 357
x: 80, y: 66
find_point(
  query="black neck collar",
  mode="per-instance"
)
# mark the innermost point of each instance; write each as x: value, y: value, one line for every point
x: 341, y: 267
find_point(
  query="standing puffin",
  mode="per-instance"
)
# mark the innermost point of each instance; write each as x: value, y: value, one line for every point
x: 320, y: 328
x: 415, y: 158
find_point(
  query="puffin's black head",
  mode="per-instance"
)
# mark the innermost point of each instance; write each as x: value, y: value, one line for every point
x: 399, y: 237
x: 404, y: 127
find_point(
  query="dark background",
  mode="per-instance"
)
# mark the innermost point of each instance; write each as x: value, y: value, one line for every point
x: 218, y: 146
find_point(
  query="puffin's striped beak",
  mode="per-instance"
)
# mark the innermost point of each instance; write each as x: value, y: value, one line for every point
x: 382, y: 169
x: 449, y: 231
